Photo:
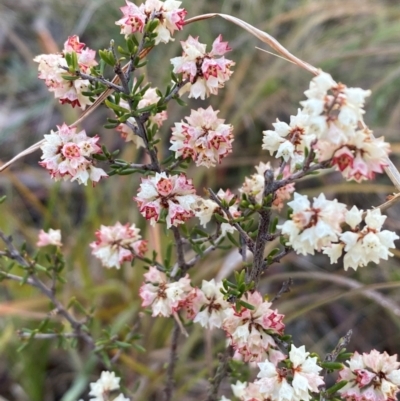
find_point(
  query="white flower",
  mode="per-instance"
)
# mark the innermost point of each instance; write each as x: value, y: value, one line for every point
x: 213, y: 307
x: 101, y: 388
x: 290, y: 384
x: 313, y: 227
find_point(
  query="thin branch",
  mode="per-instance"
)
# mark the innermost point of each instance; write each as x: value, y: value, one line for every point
x: 99, y: 79
x: 169, y: 387
x: 32, y: 280
x: 331, y: 357
x: 301, y: 174
x: 243, y: 234
x: 182, y: 266
x: 220, y: 374
x: 262, y: 235
x: 46, y: 336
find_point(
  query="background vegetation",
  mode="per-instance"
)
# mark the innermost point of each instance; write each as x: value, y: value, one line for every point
x: 356, y: 41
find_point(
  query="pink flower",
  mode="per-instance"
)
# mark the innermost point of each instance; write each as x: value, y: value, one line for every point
x: 170, y: 18
x: 173, y: 193
x: 134, y: 19
x: 371, y: 376
x: 360, y: 158
x: 163, y: 297
x: 117, y: 244
x: 66, y: 154
x: 206, y: 74
x: 204, y: 138
x: 251, y: 332
x: 51, y: 71
x: 52, y: 237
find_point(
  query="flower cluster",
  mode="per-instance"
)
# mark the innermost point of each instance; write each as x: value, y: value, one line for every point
x: 168, y: 14
x: 205, y: 138
x: 371, y: 377
x: 365, y: 245
x: 150, y: 97
x: 319, y: 227
x: 164, y: 298
x: 52, y: 68
x: 205, y: 208
x: 67, y: 155
x: 254, y: 186
x: 52, y: 237
x: 175, y: 194
x: 213, y: 309
x: 206, y: 74
x: 331, y: 123
x: 292, y: 382
x: 313, y: 227
x: 117, y: 244
x: 251, y: 331
x: 102, y: 388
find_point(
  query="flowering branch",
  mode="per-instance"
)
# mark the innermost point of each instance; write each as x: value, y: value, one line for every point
x: 32, y: 280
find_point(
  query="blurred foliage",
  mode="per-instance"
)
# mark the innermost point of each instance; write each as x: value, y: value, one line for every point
x: 356, y: 41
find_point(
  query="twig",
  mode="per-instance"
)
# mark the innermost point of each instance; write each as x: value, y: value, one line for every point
x: 331, y: 357
x: 32, y: 280
x: 262, y: 234
x: 220, y: 374
x: 179, y: 250
x: 99, y: 79
x: 169, y: 387
x: 128, y: 338
x: 46, y: 336
x: 301, y: 174
x: 244, y: 235
x: 284, y: 289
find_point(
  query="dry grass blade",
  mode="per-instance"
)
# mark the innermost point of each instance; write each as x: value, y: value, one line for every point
x: 263, y: 36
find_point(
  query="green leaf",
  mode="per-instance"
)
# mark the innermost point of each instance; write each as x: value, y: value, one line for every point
x: 180, y: 101
x: 332, y: 365
x: 110, y: 126
x: 336, y: 387
x: 122, y: 51
x: 122, y: 344
x: 137, y: 83
x: 115, y: 107
x: 107, y: 57
x: 220, y: 218
x: 69, y: 77
x: 274, y: 223
x: 132, y: 46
